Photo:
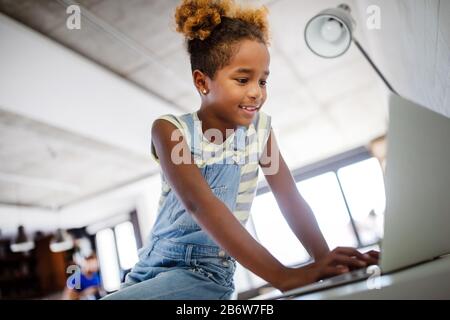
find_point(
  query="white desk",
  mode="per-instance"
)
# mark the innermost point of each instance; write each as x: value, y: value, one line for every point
x: 430, y: 280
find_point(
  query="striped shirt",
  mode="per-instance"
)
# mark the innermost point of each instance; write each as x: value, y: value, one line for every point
x: 256, y: 136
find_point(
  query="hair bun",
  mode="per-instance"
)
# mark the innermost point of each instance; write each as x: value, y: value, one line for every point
x: 254, y: 16
x: 198, y: 18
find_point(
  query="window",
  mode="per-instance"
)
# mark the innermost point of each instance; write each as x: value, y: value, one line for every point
x: 126, y: 245
x: 325, y: 198
x: 107, y: 255
x: 274, y: 233
x: 363, y: 186
x: 117, y: 251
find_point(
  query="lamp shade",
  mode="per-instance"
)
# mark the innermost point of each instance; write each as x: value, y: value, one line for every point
x: 21, y: 243
x: 62, y: 241
x: 329, y: 33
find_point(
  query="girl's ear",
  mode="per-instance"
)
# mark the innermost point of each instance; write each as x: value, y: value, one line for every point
x: 200, y: 81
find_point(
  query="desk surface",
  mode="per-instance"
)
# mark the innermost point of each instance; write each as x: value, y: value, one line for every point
x: 429, y: 280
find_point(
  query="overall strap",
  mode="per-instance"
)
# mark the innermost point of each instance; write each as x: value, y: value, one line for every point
x: 193, y: 136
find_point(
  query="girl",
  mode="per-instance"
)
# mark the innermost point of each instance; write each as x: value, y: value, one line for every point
x: 210, y: 160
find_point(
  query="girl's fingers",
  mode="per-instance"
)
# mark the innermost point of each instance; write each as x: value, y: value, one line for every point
x: 341, y: 268
x: 373, y: 257
x: 370, y: 257
x: 337, y: 259
x: 348, y: 251
x: 332, y: 271
x: 373, y: 253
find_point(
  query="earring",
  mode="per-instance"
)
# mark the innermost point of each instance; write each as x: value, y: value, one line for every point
x: 204, y: 91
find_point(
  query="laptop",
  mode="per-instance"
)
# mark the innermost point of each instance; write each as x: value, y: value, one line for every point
x: 417, y: 182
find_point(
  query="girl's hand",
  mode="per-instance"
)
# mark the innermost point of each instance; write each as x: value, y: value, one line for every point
x: 336, y: 262
x: 344, y: 259
x: 373, y: 257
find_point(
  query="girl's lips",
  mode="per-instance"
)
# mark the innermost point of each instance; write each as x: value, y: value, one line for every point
x: 249, y: 110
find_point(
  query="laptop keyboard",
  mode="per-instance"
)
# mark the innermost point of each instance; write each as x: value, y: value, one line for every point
x: 353, y: 276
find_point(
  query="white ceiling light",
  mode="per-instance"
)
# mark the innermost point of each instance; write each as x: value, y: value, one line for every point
x: 21, y: 243
x: 62, y: 241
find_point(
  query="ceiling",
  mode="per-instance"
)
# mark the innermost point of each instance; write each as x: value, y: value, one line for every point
x: 60, y: 163
x: 320, y: 107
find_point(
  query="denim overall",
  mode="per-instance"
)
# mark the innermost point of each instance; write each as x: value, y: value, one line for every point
x: 181, y: 261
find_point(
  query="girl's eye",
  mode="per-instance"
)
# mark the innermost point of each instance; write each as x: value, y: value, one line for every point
x: 243, y: 81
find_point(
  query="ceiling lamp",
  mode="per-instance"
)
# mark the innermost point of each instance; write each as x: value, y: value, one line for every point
x: 61, y: 241
x: 21, y: 243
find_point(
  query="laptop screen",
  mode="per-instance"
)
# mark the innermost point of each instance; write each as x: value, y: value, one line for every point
x: 417, y: 185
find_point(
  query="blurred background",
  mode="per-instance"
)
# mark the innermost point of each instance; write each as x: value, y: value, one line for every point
x: 78, y: 188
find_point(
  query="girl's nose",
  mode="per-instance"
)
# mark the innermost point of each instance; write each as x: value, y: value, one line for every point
x: 255, y: 92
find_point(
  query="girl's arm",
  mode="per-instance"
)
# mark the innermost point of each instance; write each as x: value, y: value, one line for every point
x: 217, y: 220
x: 294, y: 208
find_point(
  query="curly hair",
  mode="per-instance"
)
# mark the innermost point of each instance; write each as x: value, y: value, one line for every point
x: 212, y: 28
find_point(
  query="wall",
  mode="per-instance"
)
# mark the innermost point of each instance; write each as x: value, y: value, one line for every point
x: 412, y: 48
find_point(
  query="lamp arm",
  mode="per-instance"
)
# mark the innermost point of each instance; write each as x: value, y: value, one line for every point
x: 374, y: 66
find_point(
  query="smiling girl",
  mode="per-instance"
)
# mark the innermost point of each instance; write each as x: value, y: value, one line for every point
x: 209, y: 163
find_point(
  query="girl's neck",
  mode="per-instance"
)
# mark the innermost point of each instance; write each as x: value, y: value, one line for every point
x: 211, y: 121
